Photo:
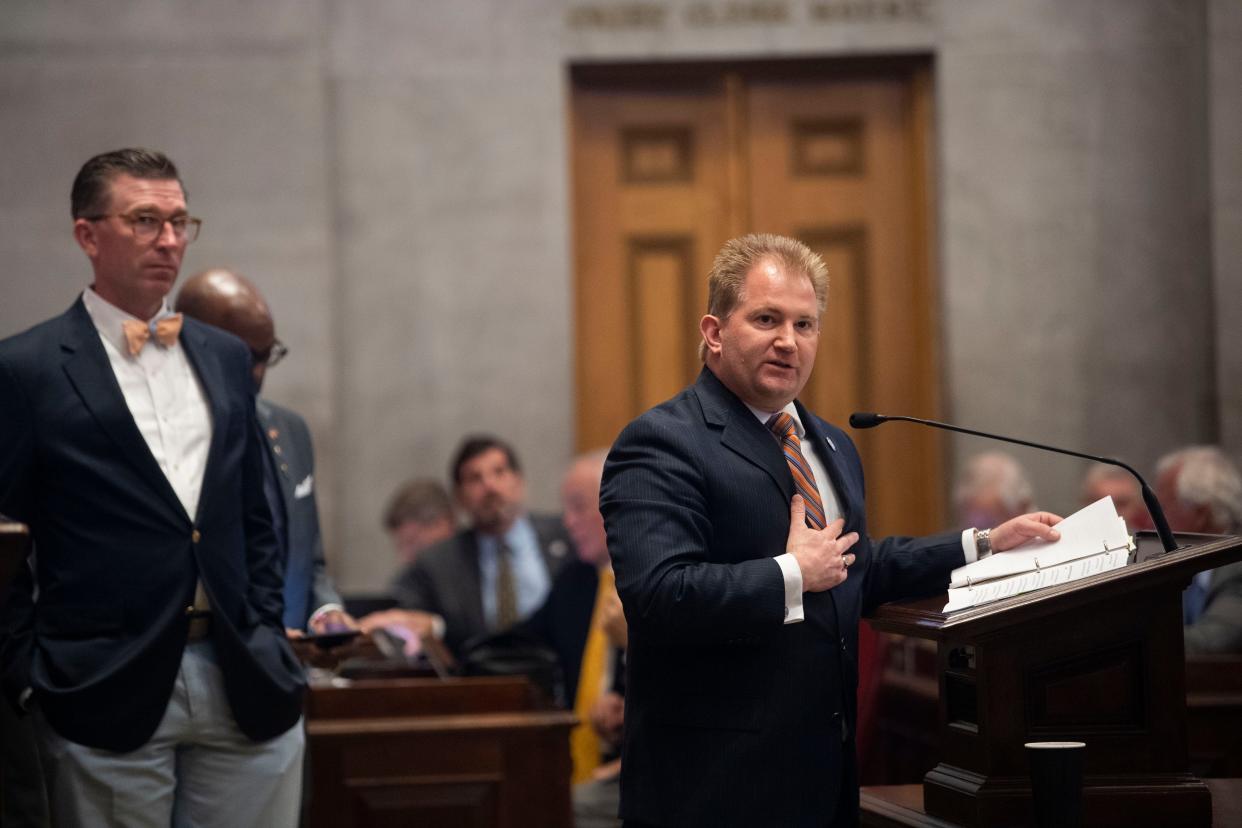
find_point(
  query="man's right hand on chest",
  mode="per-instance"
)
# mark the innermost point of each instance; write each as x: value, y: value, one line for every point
x: 823, y: 555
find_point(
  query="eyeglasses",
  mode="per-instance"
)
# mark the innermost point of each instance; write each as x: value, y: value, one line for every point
x: 148, y: 226
x: 272, y: 355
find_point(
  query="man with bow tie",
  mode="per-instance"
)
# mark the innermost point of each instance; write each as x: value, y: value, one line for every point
x: 146, y: 636
x: 737, y: 530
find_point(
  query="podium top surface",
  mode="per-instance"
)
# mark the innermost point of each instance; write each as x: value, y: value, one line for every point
x: 1149, y: 567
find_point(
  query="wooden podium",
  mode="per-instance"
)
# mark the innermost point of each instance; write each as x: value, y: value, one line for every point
x: 475, y: 752
x: 1099, y: 660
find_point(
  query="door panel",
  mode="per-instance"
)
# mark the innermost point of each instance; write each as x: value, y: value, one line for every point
x: 650, y: 191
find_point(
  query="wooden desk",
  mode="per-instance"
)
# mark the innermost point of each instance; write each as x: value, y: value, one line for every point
x: 469, y: 752
x: 901, y: 806
x: 1214, y: 715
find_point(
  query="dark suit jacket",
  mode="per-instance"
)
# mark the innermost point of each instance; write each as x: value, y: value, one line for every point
x: 293, y: 456
x: 1219, y: 628
x: 732, y: 717
x: 446, y: 580
x: 564, y: 621
x: 117, y: 555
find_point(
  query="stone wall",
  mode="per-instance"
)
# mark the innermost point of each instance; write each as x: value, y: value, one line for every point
x: 395, y: 177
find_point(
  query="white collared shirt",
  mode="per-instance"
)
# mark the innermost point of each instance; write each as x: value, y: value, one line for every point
x: 791, y: 573
x: 531, y: 580
x: 165, y: 398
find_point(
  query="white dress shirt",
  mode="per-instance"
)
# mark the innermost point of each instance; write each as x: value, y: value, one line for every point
x: 791, y: 573
x: 166, y: 400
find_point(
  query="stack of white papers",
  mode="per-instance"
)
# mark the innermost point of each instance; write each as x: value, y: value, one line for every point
x: 1093, y: 540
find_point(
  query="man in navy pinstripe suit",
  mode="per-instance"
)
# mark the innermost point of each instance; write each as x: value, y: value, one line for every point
x: 736, y: 525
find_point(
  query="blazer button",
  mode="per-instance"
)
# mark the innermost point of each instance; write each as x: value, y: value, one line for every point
x: 843, y: 647
x: 195, y: 536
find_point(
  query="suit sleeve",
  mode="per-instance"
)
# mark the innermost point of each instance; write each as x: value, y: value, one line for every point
x: 657, y: 513
x: 17, y: 600
x: 413, y: 589
x: 1219, y: 629
x: 323, y: 591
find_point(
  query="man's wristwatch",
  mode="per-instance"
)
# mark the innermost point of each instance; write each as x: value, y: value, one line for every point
x: 983, y: 543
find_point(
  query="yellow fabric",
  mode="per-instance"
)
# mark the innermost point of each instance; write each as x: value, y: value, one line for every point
x: 584, y: 746
x: 137, y: 333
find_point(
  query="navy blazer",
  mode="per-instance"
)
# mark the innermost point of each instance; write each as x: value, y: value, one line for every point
x: 733, y: 717
x: 117, y: 557
x: 563, y: 622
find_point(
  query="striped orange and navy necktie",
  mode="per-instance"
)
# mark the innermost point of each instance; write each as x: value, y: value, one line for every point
x: 786, y: 431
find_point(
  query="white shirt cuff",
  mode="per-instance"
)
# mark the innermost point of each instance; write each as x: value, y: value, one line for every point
x: 324, y: 610
x: 791, y: 573
x: 968, y: 546
x: 438, y: 627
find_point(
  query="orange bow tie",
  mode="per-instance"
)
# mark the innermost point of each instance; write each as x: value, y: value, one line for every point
x: 137, y: 333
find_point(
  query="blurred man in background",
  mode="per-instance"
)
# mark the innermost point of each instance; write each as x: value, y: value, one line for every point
x: 496, y: 571
x: 992, y: 488
x: 1103, y: 480
x: 1200, y: 489
x: 419, y: 515
x: 583, y: 623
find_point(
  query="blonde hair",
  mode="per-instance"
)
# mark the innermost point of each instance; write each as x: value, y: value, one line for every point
x: 735, y: 260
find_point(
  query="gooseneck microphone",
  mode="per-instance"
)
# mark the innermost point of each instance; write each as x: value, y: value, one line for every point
x: 867, y: 419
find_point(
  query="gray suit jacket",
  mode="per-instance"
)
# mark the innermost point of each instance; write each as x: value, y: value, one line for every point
x: 289, y: 441
x: 445, y: 579
x: 1219, y: 628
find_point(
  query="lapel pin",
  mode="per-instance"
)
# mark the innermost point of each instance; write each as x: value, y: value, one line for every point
x: 831, y: 444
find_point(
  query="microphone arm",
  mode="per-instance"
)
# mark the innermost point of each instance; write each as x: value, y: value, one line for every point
x: 866, y: 419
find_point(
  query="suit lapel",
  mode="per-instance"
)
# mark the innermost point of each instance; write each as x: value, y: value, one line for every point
x: 741, y: 432
x: 213, y: 382
x: 91, y: 375
x: 269, y: 422
x: 551, y: 546
x: 831, y: 458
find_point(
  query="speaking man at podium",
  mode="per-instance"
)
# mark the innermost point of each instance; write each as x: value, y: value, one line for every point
x: 737, y: 528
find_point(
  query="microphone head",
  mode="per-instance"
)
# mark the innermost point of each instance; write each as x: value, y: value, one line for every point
x: 866, y: 419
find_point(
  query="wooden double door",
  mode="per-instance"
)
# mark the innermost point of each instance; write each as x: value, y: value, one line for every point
x: 670, y: 161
